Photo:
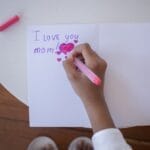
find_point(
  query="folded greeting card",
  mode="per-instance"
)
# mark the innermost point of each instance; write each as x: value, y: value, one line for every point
x: 52, y: 101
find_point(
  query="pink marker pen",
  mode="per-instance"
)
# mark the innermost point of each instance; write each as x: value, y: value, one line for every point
x: 9, y: 22
x: 90, y: 75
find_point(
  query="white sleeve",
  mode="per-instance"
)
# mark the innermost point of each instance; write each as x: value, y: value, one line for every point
x: 109, y: 139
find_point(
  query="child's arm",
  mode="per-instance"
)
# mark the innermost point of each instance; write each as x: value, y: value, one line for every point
x: 106, y: 136
x: 90, y: 94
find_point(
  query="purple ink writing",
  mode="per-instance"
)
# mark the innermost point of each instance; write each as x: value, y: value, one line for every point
x: 36, y: 35
x: 58, y: 59
x: 58, y: 52
x: 51, y: 37
x: 43, y: 50
x: 75, y: 41
x: 45, y: 37
x: 71, y: 37
x: 54, y: 43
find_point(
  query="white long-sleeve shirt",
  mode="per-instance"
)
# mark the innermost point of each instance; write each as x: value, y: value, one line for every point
x: 109, y: 139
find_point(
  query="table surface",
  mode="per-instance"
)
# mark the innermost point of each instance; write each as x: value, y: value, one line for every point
x: 16, y: 133
x: 13, y: 61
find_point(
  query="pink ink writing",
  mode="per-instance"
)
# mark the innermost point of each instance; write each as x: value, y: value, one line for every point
x: 65, y: 48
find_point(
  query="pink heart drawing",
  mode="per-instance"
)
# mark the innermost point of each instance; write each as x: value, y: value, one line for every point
x: 58, y: 59
x: 65, y: 48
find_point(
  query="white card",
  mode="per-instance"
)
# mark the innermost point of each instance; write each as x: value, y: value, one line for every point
x: 52, y: 101
x: 126, y: 48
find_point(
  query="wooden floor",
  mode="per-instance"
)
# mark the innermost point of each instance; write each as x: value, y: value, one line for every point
x: 15, y: 133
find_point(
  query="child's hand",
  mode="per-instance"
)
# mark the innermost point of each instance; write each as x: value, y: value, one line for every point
x: 83, y: 87
x: 91, y: 95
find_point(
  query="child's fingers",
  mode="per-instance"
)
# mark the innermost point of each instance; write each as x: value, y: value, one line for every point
x: 79, y: 49
x: 70, y: 69
x: 91, y: 59
x: 86, y: 51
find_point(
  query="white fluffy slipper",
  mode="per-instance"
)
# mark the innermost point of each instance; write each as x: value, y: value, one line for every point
x: 81, y: 143
x: 42, y: 143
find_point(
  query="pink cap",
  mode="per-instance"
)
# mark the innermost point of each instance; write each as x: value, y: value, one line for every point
x: 97, y: 81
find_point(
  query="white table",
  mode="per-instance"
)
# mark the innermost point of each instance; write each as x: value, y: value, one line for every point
x: 13, y: 61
